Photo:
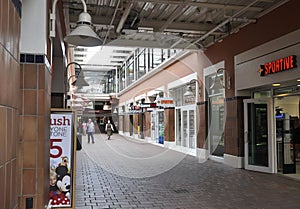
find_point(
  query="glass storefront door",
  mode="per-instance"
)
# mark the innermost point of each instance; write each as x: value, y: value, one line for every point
x: 178, y: 127
x: 287, y: 134
x: 258, y: 135
x: 186, y: 127
x: 216, y: 125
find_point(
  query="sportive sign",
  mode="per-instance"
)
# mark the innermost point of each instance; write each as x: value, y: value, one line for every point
x: 279, y: 65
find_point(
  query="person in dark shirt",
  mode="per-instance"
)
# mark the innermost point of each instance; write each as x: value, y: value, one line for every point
x: 109, y: 129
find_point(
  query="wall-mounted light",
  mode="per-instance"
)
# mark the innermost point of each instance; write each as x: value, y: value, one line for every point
x: 189, y: 91
x: 116, y: 111
x: 83, y: 34
x: 220, y: 76
x: 79, y: 82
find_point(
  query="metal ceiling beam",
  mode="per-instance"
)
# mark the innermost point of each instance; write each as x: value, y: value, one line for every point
x: 178, y: 26
x: 124, y: 16
x: 178, y: 11
x: 223, y: 23
x: 207, y: 5
x: 156, y: 24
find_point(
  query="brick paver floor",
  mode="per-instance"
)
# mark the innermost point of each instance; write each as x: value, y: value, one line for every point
x: 127, y: 173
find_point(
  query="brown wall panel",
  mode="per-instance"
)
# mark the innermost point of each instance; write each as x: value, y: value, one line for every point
x: 148, y: 124
x: 202, y: 125
x: 169, y: 125
x: 234, y: 127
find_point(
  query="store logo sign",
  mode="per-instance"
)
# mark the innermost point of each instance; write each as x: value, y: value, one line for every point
x: 279, y: 65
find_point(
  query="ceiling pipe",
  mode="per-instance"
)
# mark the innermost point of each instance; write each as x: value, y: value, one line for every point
x: 111, y: 22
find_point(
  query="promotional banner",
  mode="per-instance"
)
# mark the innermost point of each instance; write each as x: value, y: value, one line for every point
x: 61, y: 153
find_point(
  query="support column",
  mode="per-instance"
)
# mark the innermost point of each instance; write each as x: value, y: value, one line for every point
x: 234, y: 132
x: 169, y: 125
x: 34, y: 125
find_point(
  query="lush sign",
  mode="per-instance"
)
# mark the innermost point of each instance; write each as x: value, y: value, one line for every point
x: 61, y: 159
x: 279, y: 65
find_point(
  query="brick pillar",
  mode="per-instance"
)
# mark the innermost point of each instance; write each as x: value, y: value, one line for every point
x: 9, y: 103
x: 234, y: 126
x: 202, y: 129
x: 169, y: 124
x: 135, y: 123
x: 147, y: 124
x: 34, y: 120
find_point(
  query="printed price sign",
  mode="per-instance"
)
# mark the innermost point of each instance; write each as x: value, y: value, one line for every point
x: 61, y: 143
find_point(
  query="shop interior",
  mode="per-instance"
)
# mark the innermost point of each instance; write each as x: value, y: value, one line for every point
x: 288, y: 134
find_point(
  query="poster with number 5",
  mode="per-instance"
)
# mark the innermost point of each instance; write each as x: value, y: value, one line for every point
x: 61, y: 159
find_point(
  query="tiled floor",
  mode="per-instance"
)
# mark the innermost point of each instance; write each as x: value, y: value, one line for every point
x: 126, y: 173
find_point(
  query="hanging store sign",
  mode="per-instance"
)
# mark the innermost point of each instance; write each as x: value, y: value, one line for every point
x: 165, y: 102
x: 279, y: 65
x: 148, y: 105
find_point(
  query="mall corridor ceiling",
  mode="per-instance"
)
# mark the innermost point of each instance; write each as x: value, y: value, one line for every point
x: 182, y: 24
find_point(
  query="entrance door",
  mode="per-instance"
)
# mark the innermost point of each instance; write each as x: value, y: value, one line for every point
x: 258, y: 135
x: 188, y: 127
x: 286, y: 161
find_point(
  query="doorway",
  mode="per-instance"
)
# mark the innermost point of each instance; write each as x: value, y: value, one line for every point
x: 258, y: 135
x: 186, y: 128
x: 288, y: 134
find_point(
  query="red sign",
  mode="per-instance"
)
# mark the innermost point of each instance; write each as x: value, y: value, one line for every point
x: 279, y: 65
x: 148, y: 105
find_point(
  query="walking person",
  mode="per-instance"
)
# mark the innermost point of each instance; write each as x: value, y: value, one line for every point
x: 109, y: 129
x: 90, y: 130
x: 84, y: 127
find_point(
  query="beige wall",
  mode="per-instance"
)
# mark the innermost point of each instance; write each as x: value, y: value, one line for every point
x: 266, y: 29
x: 188, y: 65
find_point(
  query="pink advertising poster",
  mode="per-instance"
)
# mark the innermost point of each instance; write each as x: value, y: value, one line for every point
x: 61, y: 159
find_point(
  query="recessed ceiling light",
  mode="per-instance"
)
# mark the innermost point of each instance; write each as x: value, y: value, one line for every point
x: 276, y: 84
x: 298, y: 80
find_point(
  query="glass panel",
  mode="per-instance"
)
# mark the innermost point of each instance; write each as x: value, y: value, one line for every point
x: 122, y: 78
x: 192, y: 129
x: 161, y: 127
x: 258, y: 134
x: 263, y: 94
x: 177, y: 95
x: 287, y: 133
x: 141, y: 64
x: 178, y: 127
x: 157, y: 57
x: 217, y: 125
x: 287, y: 90
x: 185, y: 128
x: 130, y: 71
x: 214, y: 84
x: 153, y: 126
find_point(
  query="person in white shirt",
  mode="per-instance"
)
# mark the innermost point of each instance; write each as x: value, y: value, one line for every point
x: 84, y: 127
x: 90, y: 130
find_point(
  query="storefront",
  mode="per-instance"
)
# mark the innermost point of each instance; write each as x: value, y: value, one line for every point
x: 185, y: 92
x: 269, y: 76
x: 215, y: 95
